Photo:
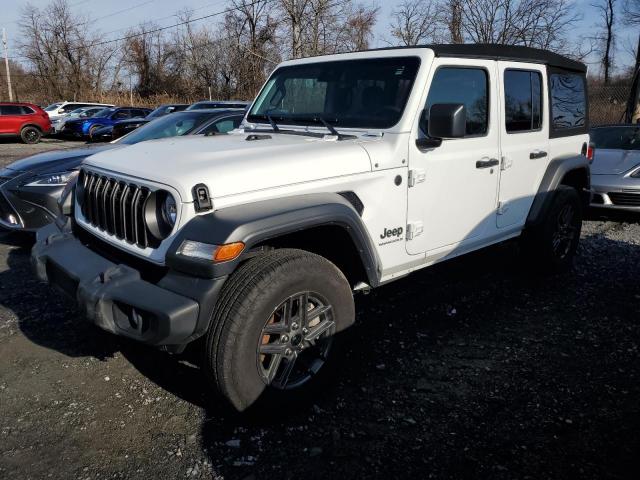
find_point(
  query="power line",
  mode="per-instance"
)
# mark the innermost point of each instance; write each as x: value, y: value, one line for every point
x: 160, y: 29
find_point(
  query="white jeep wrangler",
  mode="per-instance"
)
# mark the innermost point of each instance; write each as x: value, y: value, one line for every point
x: 348, y: 172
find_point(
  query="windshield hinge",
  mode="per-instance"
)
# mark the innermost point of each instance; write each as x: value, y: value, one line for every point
x: 417, y: 175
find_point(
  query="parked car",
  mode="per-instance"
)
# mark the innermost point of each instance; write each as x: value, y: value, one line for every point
x: 83, y: 112
x: 377, y: 164
x: 219, y: 104
x: 30, y: 188
x: 23, y: 120
x: 615, y: 172
x: 85, y: 127
x: 58, y: 109
x: 118, y: 129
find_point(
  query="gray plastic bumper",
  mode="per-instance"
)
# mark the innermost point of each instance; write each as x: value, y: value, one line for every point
x: 116, y: 298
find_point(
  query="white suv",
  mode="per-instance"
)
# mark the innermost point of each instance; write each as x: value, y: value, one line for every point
x: 349, y: 171
x: 59, y: 109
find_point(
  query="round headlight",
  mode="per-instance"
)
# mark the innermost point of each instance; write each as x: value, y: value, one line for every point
x: 170, y: 210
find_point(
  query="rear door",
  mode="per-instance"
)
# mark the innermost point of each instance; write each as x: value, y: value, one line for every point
x: 524, y: 133
x: 11, y: 119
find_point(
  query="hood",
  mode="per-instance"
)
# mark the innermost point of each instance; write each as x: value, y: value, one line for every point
x: 58, y: 160
x: 231, y: 164
x: 614, y: 162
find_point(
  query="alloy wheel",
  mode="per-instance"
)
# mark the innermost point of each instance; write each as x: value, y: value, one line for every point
x: 295, y: 341
x: 565, y: 231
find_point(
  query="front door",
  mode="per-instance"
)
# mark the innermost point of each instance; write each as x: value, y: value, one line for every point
x: 524, y: 138
x: 453, y: 197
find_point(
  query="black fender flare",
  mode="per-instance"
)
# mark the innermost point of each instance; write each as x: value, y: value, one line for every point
x: 556, y: 171
x: 256, y: 222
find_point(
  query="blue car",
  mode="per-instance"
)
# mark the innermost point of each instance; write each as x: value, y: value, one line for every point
x: 85, y: 127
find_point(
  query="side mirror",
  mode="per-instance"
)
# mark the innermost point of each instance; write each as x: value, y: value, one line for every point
x: 443, y: 120
x: 447, y: 120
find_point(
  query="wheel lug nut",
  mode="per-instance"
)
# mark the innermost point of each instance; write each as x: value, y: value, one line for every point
x: 287, y: 352
x: 304, y: 330
x: 294, y: 325
x: 284, y: 339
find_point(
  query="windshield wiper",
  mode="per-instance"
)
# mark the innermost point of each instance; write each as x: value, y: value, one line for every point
x: 332, y: 129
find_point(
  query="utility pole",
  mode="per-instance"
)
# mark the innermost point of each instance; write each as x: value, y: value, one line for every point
x: 6, y: 63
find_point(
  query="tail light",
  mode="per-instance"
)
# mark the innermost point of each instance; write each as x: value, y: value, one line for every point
x: 588, y: 150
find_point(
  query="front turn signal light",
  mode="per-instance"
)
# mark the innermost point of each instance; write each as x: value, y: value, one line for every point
x: 227, y: 252
x: 213, y: 253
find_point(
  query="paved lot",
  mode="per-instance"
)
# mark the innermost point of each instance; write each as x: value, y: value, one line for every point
x: 475, y: 369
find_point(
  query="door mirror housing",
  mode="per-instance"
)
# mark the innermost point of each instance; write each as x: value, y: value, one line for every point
x: 443, y: 120
x: 447, y: 120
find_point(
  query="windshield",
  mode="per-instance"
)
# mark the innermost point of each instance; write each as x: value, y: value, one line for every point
x: 369, y: 93
x: 621, y: 138
x: 52, y: 107
x: 172, y: 125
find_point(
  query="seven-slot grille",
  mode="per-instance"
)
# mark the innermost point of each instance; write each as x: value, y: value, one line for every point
x: 625, y: 199
x: 115, y: 207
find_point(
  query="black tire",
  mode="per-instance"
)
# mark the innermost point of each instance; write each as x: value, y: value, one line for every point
x: 235, y: 361
x: 30, y: 135
x: 551, y: 246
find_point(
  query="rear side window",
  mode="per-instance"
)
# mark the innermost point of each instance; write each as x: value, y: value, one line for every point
x: 11, y: 110
x: 468, y: 86
x: 568, y: 103
x: 27, y: 110
x: 522, y: 100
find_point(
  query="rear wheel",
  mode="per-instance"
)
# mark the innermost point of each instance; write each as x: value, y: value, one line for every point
x: 552, y: 245
x: 30, y: 135
x: 275, y: 331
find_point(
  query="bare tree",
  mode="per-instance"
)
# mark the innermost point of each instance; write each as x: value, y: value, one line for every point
x: 631, y: 9
x: 606, y: 38
x: 533, y: 23
x: 60, y: 49
x: 413, y: 22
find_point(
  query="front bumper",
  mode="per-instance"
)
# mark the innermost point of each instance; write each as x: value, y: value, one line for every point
x: 24, y: 208
x: 168, y: 313
x: 616, y: 193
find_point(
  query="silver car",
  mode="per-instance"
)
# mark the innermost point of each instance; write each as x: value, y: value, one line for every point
x: 615, y: 171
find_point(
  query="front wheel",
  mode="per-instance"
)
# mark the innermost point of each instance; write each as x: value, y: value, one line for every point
x: 552, y: 245
x: 276, y: 328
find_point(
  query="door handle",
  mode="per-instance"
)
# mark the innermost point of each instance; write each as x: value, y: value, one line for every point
x: 487, y: 162
x: 537, y: 154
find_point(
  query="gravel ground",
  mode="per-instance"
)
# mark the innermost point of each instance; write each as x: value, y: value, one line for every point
x: 472, y: 369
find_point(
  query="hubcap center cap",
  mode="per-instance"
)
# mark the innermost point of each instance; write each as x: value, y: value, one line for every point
x: 296, y: 340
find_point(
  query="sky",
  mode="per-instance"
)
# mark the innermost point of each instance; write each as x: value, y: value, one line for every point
x: 114, y: 17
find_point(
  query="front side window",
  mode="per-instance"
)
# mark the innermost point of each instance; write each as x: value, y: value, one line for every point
x: 522, y: 100
x: 369, y: 93
x: 466, y: 86
x: 568, y: 101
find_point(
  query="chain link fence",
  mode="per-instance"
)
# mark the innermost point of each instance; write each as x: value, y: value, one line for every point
x: 607, y: 103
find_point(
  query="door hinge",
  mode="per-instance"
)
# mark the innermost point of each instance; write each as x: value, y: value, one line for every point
x: 505, y: 163
x: 502, y: 208
x: 417, y: 175
x: 414, y: 229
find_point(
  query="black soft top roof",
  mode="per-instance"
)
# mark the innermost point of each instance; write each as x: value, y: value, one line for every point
x: 502, y: 52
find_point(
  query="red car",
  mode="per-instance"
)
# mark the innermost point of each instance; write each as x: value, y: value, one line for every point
x: 24, y: 120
